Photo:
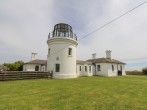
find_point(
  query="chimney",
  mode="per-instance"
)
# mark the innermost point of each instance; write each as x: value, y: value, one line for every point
x: 94, y: 56
x: 33, y: 56
x: 108, y: 54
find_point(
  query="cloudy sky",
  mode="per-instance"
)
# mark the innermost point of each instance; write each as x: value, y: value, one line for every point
x: 25, y: 24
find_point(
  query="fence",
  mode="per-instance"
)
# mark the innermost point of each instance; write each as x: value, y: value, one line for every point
x: 19, y: 75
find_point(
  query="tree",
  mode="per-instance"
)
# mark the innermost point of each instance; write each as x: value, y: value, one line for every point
x: 19, y: 65
x: 16, y: 66
x: 144, y: 70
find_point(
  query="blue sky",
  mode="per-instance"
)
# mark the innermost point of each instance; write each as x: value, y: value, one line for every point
x: 25, y: 24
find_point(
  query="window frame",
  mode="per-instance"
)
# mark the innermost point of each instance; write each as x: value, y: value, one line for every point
x: 80, y: 68
x: 36, y: 67
x: 98, y: 67
x: 69, y: 51
x: 85, y: 68
x: 90, y: 69
x: 49, y: 51
x: 112, y: 67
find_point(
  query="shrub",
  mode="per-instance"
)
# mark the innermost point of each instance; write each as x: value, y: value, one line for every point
x: 144, y: 70
x: 135, y: 72
x: 16, y: 66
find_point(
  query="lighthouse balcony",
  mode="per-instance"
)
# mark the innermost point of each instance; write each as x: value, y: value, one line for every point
x: 62, y: 34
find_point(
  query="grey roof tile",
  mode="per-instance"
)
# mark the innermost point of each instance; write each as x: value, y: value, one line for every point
x: 37, y: 61
x: 105, y: 60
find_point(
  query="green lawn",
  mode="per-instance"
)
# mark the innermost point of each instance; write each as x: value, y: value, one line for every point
x: 84, y: 93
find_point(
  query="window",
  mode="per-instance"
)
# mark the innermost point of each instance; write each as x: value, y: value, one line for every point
x: 98, y: 67
x: 49, y: 51
x: 80, y: 68
x: 85, y: 68
x: 62, y: 25
x: 69, y: 51
x: 58, y: 26
x: 57, y: 67
x: 90, y: 69
x: 112, y: 67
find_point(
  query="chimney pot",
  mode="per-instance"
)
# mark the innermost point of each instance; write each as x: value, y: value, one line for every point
x: 94, y: 56
x: 108, y: 54
x: 33, y: 56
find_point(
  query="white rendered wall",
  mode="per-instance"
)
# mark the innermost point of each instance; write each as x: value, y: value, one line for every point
x: 24, y: 67
x: 123, y: 69
x: 116, y: 68
x: 59, y: 55
x: 103, y: 71
x: 31, y: 67
x: 83, y: 72
x: 110, y: 72
x: 106, y: 69
x: 78, y: 69
x: 43, y: 68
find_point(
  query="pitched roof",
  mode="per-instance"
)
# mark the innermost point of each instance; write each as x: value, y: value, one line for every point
x: 105, y: 60
x: 2, y: 67
x: 83, y: 62
x: 37, y: 61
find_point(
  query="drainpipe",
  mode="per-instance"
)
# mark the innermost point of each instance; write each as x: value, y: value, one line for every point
x: 95, y: 68
x: 117, y: 68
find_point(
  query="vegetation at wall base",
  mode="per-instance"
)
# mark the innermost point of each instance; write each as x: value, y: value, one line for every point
x: 144, y: 70
x: 84, y: 93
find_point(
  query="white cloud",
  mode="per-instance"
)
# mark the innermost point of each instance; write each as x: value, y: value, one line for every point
x: 24, y: 28
x: 126, y: 37
x: 25, y: 25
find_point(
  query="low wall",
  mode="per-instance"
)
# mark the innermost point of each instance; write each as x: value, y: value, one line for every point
x: 19, y: 75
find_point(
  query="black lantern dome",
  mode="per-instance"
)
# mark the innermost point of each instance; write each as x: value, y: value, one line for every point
x: 62, y: 30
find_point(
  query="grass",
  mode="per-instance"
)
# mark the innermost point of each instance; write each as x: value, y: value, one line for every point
x: 84, y: 93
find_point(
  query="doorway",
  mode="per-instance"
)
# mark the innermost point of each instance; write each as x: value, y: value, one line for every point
x: 119, y: 72
x: 36, y: 68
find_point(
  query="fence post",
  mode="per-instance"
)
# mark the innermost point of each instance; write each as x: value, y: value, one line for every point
x: 51, y: 74
x: 4, y: 75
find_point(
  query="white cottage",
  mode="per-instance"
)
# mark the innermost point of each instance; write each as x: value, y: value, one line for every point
x: 101, y: 66
x: 108, y: 67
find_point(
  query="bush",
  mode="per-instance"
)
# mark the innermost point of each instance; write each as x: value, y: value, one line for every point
x: 16, y: 66
x: 144, y: 70
x: 135, y: 72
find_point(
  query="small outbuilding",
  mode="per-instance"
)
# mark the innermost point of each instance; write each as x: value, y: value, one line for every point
x: 35, y: 65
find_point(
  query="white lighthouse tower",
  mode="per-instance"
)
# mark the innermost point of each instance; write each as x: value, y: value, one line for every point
x: 61, y: 58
